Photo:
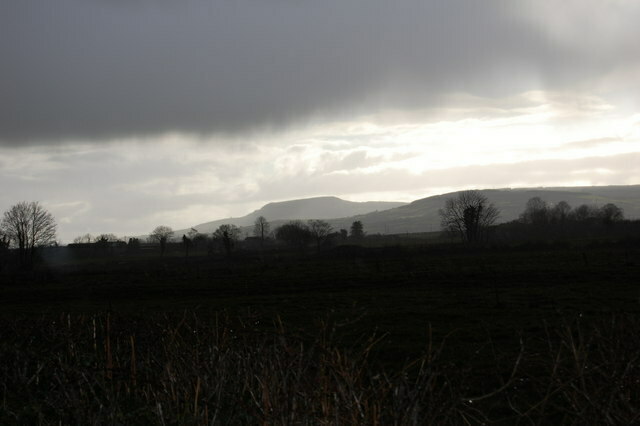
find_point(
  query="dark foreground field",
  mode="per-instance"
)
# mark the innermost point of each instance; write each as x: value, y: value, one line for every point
x: 406, y: 335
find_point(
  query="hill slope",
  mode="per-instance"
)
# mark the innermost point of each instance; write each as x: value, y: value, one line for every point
x: 422, y: 215
x: 310, y: 208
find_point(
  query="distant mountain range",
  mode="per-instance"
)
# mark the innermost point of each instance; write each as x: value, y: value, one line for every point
x: 309, y: 208
x: 422, y: 215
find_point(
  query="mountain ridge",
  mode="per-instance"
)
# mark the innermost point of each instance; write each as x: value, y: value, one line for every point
x: 326, y: 207
x: 421, y: 215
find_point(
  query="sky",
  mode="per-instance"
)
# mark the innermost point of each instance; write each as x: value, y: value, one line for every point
x: 119, y: 116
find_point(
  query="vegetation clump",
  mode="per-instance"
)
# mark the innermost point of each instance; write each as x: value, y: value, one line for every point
x: 88, y: 369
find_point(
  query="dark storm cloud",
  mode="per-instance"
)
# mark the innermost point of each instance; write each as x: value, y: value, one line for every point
x: 94, y: 70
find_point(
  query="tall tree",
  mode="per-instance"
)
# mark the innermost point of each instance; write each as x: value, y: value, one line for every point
x: 228, y: 235
x: 294, y: 233
x: 320, y: 230
x: 469, y: 215
x: 261, y: 228
x: 611, y: 213
x: 161, y: 234
x: 357, y: 230
x: 28, y: 225
x: 585, y: 212
x: 536, y: 212
x: 560, y: 212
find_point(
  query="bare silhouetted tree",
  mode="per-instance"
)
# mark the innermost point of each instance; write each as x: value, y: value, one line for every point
x: 261, y: 228
x: 320, y: 230
x: 469, y: 215
x: 83, y: 239
x: 228, y: 235
x: 161, y: 234
x: 28, y: 225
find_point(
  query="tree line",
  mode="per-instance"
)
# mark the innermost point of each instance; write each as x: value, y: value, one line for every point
x: 538, y: 212
x: 469, y: 216
x: 472, y: 218
x: 295, y: 233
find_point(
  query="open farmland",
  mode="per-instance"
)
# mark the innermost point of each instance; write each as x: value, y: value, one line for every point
x: 485, y: 312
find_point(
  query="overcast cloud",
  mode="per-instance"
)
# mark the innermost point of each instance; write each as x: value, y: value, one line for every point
x: 122, y: 115
x: 95, y: 70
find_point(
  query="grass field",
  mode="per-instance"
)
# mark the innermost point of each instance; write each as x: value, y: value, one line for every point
x: 489, y: 311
